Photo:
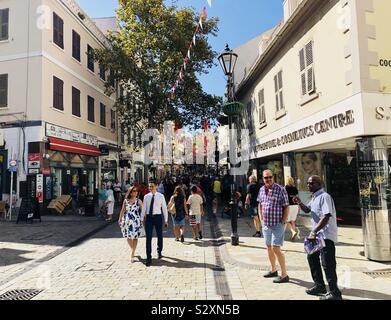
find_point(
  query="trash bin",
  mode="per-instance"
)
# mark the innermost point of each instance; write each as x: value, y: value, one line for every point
x: 89, y: 205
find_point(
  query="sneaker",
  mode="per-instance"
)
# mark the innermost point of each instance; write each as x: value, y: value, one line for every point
x: 200, y: 233
x: 281, y: 280
x: 271, y: 274
x: 316, y: 291
x: 331, y: 296
x: 257, y: 234
x: 294, y: 236
x: 196, y: 239
x: 182, y: 239
x: 176, y: 239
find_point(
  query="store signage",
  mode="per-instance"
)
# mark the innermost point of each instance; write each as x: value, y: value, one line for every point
x: 385, y: 63
x: 34, y: 164
x: 1, y: 138
x: 383, y: 113
x: 70, y: 135
x: 34, y: 157
x: 104, y: 149
x: 39, y: 188
x: 126, y: 156
x: 45, y: 171
x: 33, y: 171
x: 333, y: 123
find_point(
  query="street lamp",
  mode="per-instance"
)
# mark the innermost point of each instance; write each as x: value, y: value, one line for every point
x: 232, y: 110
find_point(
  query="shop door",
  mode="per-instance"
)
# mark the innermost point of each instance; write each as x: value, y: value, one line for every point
x: 66, y: 181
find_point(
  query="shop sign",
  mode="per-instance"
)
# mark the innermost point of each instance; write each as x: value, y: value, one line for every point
x: 383, y: 113
x: 104, y: 149
x: 333, y: 123
x: 70, y: 135
x: 34, y: 164
x: 126, y: 156
x: 385, y: 62
x: 39, y: 188
x: 33, y: 171
x: 34, y: 157
x: 45, y: 171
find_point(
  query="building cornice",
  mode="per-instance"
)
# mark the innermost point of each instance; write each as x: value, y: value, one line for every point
x: 87, y: 22
x: 304, y: 11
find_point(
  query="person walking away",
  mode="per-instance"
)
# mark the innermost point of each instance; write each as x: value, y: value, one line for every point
x: 251, y: 204
x: 117, y: 190
x: 101, y: 195
x: 293, y: 207
x: 196, y: 211
x: 110, y: 201
x: 216, y: 186
x: 130, y: 219
x: 160, y: 188
x: 152, y: 217
x: 273, y: 211
x: 81, y: 200
x: 324, y: 217
x: 75, y: 196
x: 178, y: 200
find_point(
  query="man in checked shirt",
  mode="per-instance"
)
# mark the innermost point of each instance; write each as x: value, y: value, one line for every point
x: 273, y: 212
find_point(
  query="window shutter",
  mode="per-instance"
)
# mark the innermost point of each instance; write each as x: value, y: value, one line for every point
x: 302, y: 60
x: 261, y: 99
x: 309, y: 54
x: 3, y: 90
x: 310, y: 80
x: 303, y: 83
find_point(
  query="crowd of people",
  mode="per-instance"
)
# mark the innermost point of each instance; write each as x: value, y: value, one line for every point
x: 272, y: 207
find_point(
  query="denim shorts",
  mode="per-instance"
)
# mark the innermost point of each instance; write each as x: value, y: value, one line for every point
x: 178, y: 222
x: 274, y: 236
x: 252, y: 211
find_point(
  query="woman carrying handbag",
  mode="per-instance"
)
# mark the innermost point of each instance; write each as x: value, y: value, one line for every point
x: 178, y: 209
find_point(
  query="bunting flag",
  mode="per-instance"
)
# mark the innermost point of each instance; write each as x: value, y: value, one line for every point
x: 192, y: 44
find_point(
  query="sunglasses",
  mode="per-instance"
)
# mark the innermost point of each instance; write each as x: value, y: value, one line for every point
x: 268, y: 178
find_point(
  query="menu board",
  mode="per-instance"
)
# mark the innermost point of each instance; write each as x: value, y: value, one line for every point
x: 70, y: 135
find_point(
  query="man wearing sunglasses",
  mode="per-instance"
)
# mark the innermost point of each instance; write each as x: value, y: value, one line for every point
x: 324, y: 217
x: 273, y: 212
x: 154, y: 214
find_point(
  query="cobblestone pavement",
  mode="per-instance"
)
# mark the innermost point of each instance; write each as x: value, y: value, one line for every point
x: 210, y: 269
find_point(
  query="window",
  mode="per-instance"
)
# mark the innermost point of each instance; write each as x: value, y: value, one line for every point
x: 58, y: 31
x: 307, y: 70
x: 4, y: 19
x: 58, y: 94
x: 112, y: 125
x: 102, y: 72
x: 261, y: 101
x: 102, y: 115
x: 76, y: 102
x: 278, y: 91
x: 3, y: 90
x: 90, y: 58
x: 91, y: 109
x: 249, y: 117
x: 75, y: 45
x: 123, y: 133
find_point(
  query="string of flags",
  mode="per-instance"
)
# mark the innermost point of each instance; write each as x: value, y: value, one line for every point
x: 187, y: 59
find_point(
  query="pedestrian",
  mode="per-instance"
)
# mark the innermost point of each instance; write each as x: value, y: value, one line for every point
x: 130, y: 219
x: 273, y: 211
x: 293, y: 207
x: 75, y: 196
x: 324, y: 217
x: 117, y: 190
x: 216, y: 186
x: 160, y: 188
x: 110, y: 200
x: 178, y: 201
x: 196, y: 211
x: 81, y: 200
x: 102, y: 195
x: 152, y: 217
x: 251, y: 204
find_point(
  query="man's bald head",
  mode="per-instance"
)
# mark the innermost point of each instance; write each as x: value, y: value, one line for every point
x: 314, y: 183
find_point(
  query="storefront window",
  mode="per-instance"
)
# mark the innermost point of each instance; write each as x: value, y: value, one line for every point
x: 57, y: 180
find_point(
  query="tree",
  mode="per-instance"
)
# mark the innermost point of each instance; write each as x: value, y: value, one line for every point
x: 146, y: 56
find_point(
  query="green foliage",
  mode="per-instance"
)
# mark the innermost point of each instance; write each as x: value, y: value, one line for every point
x: 146, y: 57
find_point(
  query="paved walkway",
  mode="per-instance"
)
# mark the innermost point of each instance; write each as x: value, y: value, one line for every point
x: 211, y: 269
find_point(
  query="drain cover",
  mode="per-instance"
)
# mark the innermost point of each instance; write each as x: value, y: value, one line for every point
x: 24, y: 294
x: 379, y: 274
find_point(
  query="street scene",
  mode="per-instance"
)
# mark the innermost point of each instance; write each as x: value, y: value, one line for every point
x: 195, y: 150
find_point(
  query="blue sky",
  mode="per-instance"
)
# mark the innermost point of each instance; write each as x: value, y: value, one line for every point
x: 240, y: 21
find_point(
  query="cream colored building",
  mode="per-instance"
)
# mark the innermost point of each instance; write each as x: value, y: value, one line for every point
x: 55, y: 94
x: 317, y: 93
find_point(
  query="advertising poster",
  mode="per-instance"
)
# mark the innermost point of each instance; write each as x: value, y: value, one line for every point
x: 307, y: 164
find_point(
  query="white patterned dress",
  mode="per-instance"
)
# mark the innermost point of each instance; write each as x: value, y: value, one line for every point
x: 131, y: 221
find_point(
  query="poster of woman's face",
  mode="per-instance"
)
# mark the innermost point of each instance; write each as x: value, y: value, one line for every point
x: 307, y: 164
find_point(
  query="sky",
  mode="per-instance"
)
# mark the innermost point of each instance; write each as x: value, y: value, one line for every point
x: 240, y: 21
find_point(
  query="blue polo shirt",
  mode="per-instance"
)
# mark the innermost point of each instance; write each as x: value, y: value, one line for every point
x: 320, y: 205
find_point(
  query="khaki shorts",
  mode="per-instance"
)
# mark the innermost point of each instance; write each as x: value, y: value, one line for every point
x: 195, y: 219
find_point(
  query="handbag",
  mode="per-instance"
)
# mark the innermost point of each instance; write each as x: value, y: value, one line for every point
x: 312, y: 246
x: 171, y: 207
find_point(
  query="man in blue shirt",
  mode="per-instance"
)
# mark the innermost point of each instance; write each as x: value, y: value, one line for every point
x: 324, y: 218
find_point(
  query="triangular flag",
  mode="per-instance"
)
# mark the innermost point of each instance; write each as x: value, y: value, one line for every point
x: 204, y: 13
x: 210, y: 3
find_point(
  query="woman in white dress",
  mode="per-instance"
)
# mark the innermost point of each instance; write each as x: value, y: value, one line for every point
x: 110, y: 204
x: 130, y: 219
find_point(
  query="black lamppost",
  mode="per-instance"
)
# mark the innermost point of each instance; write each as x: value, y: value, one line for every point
x: 232, y: 110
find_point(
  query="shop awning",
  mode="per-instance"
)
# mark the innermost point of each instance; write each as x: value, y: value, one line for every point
x: 73, y: 147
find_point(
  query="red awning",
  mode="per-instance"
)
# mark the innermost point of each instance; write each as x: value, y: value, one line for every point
x: 73, y: 147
